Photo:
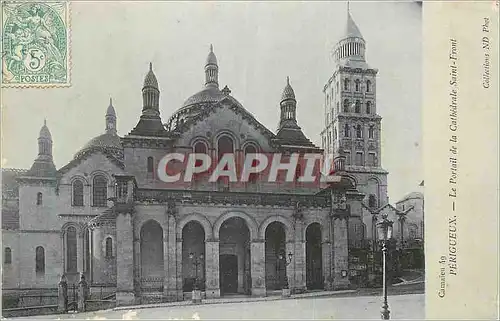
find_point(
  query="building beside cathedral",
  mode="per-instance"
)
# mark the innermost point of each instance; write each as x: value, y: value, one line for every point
x: 107, y: 215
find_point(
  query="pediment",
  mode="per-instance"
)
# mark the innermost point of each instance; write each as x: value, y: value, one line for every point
x: 226, y: 116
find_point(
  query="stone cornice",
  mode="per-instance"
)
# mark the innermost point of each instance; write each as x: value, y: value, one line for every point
x: 39, y: 231
x: 271, y: 200
x: 147, y: 142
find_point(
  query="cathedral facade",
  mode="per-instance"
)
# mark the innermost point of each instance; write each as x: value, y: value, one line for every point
x: 107, y: 215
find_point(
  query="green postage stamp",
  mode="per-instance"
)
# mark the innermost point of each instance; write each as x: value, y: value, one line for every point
x: 35, y: 44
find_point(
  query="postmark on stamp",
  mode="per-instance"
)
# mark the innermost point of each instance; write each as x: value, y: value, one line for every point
x: 35, y: 46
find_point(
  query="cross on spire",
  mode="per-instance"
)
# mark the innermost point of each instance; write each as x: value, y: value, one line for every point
x: 348, y: 6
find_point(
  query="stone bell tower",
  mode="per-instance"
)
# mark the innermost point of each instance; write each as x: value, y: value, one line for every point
x: 352, y: 125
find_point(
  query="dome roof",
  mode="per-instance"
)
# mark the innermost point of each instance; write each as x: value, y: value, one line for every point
x: 207, y: 95
x: 44, y: 131
x: 211, y: 58
x: 288, y: 92
x: 107, y: 141
x: 150, y: 80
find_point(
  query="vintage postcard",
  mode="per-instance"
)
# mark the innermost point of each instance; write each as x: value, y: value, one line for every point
x: 249, y: 160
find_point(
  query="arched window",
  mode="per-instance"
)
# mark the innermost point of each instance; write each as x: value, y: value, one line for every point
x: 338, y: 107
x: 346, y: 130
x: 357, y: 107
x: 7, y: 257
x: 224, y: 146
x: 39, y: 197
x: 337, y: 86
x: 368, y: 86
x: 368, y: 107
x: 151, y: 165
x: 359, y: 132
x: 346, y: 84
x: 334, y: 132
x: 370, y: 131
x: 40, y: 261
x: 372, y: 201
x: 100, y: 191
x: 71, y: 256
x: 109, y: 247
x: 200, y: 148
x: 357, y: 84
x: 78, y: 193
x: 250, y: 149
x: 346, y: 105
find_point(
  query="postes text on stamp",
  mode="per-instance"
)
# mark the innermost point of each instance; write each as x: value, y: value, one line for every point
x: 35, y: 51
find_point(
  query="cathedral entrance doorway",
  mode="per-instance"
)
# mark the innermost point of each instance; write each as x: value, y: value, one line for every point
x: 275, y: 246
x: 234, y: 260
x: 228, y: 273
x: 193, y: 256
x: 314, y: 262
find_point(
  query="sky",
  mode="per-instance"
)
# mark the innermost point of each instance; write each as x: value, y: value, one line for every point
x: 257, y: 46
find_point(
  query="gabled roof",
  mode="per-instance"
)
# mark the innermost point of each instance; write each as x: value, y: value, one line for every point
x: 86, y: 154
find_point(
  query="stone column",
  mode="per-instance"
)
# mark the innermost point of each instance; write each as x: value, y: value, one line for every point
x: 341, y: 253
x: 179, y: 278
x: 258, y: 267
x: 63, y: 251
x: 212, y: 269
x: 170, y: 248
x: 299, y: 257
x: 137, y: 266
x: 326, y: 248
x: 97, y: 269
x: 124, y: 260
x: 290, y: 271
x: 79, y: 251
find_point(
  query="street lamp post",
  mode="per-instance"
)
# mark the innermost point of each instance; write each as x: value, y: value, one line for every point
x: 384, y: 233
x: 285, y: 291
x: 197, y: 260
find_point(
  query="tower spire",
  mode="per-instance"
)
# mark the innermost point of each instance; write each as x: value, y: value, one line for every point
x: 150, y: 92
x: 348, y: 7
x: 45, y: 142
x: 43, y: 166
x: 288, y: 106
x: 211, y: 70
x: 110, y: 118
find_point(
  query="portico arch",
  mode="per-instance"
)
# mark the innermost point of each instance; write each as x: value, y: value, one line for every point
x: 276, y: 218
x: 251, y: 224
x: 200, y: 218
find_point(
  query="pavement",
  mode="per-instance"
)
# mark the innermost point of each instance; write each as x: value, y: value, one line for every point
x: 351, y: 304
